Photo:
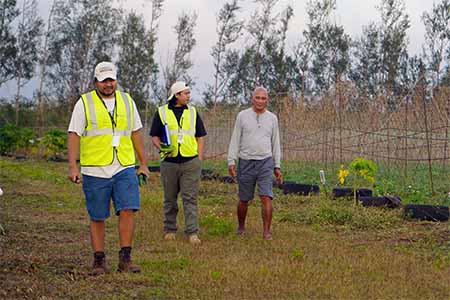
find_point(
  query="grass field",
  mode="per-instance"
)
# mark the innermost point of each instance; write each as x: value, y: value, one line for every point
x: 322, y: 248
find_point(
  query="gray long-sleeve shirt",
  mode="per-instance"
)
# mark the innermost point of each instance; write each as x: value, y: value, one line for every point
x: 255, y: 137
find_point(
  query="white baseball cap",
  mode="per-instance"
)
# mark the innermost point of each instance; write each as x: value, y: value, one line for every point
x: 105, y: 70
x: 177, y: 87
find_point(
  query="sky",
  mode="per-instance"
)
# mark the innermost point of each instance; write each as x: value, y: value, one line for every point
x: 352, y: 14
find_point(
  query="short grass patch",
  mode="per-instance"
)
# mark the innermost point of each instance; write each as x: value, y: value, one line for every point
x: 216, y: 226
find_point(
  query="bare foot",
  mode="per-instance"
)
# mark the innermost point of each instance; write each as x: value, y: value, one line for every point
x: 267, y: 236
x: 240, y: 231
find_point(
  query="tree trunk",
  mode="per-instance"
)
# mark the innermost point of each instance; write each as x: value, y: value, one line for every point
x: 41, y: 110
x: 17, y: 108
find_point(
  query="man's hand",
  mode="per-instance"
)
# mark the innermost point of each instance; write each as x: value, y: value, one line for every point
x: 232, y: 170
x: 143, y: 169
x: 166, y: 148
x: 74, y: 174
x: 142, y: 173
x: 278, y: 176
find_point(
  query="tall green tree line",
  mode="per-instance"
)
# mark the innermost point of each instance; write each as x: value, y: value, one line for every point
x: 63, y: 51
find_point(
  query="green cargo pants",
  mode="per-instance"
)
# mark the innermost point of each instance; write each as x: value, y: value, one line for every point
x: 181, y: 178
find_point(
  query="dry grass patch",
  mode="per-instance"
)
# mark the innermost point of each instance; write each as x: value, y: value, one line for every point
x: 322, y: 249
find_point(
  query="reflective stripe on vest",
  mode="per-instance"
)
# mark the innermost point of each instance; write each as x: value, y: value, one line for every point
x: 96, y: 147
x: 189, y: 145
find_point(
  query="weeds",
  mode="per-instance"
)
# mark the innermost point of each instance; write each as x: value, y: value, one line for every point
x: 322, y: 213
x: 215, y: 226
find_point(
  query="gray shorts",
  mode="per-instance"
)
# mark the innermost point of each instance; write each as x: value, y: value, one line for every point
x: 252, y: 172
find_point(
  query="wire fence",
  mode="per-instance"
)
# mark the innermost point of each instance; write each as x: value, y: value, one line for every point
x: 339, y: 127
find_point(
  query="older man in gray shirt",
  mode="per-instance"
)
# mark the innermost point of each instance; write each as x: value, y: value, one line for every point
x: 255, y: 144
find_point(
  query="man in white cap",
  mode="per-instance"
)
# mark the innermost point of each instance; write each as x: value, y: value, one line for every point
x: 105, y: 132
x: 181, y: 162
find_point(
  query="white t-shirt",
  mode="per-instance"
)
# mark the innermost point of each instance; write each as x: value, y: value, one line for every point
x: 78, y: 125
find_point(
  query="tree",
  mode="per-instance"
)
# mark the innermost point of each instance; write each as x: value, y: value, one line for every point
x: 302, y: 56
x: 281, y: 72
x: 135, y: 63
x: 181, y: 63
x: 251, y: 63
x: 228, y: 31
x: 44, y: 58
x: 8, y: 50
x: 261, y: 30
x: 381, y: 64
x: 330, y: 44
x: 393, y: 41
x: 28, y: 35
x: 153, y: 80
x: 409, y: 73
x: 437, y: 41
x: 79, y: 39
x: 242, y: 83
x: 366, y: 65
x: 264, y: 61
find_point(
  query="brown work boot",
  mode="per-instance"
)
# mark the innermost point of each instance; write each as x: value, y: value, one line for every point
x: 99, y: 266
x: 125, y: 263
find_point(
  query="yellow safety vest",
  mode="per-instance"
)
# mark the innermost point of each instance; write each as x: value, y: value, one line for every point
x: 96, y: 144
x: 183, y: 136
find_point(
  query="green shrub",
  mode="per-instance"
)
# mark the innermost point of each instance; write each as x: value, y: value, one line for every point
x: 15, y: 139
x: 54, y: 141
x: 7, y: 138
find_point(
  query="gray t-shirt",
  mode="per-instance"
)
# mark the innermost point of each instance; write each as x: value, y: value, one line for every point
x: 255, y: 137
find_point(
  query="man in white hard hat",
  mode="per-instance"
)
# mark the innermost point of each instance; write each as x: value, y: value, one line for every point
x: 105, y: 130
x: 181, y: 161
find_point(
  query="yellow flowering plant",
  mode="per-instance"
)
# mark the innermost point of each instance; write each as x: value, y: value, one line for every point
x: 364, y: 168
x: 342, y: 174
x: 361, y: 170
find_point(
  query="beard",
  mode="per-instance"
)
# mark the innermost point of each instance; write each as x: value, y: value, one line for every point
x: 107, y: 92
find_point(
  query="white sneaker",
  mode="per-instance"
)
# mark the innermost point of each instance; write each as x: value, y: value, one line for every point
x: 169, y: 236
x: 194, y: 240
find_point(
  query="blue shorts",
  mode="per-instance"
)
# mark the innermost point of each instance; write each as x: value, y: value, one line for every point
x: 252, y: 172
x: 122, y: 188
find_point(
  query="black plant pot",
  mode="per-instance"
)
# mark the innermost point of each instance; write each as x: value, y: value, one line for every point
x: 280, y: 186
x: 208, y: 174
x: 427, y: 212
x: 154, y: 168
x: 348, y: 192
x: 227, y: 179
x: 299, y: 188
x: 386, y: 201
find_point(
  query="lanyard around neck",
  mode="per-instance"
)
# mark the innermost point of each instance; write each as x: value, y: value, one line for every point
x: 112, y: 116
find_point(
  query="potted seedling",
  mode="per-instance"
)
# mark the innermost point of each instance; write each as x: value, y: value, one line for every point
x: 363, y: 171
x: 360, y: 172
